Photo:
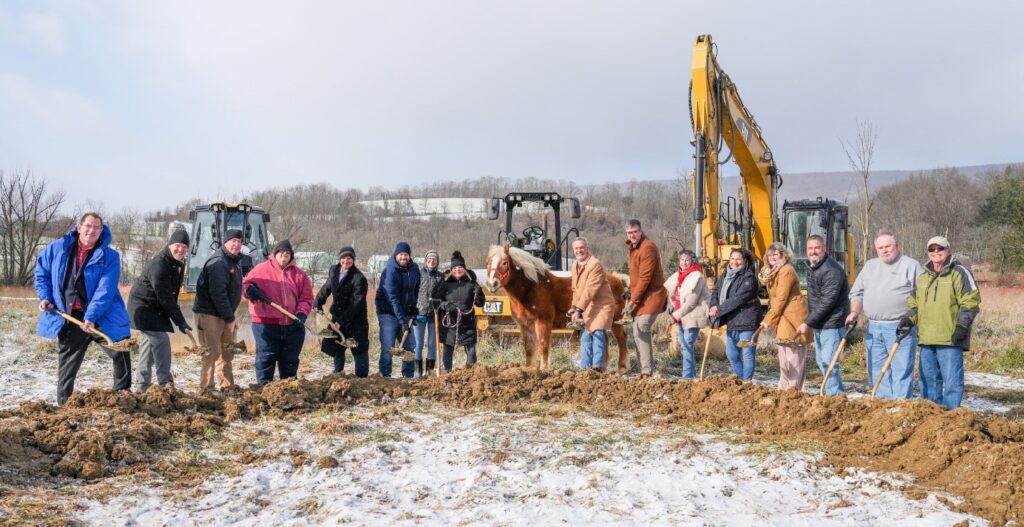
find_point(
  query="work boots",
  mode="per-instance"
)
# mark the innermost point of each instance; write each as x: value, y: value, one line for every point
x: 431, y: 364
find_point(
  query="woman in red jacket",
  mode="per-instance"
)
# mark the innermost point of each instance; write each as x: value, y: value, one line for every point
x: 278, y: 338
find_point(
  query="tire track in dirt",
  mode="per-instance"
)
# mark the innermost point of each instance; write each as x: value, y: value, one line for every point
x: 99, y: 433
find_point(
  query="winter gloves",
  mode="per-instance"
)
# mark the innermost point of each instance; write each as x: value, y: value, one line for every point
x: 253, y: 293
x: 961, y: 336
x: 904, y: 327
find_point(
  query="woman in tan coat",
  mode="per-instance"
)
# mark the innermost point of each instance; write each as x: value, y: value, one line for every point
x: 688, y: 297
x: 593, y: 306
x: 787, y: 310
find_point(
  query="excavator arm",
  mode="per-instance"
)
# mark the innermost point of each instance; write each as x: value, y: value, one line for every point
x: 724, y: 130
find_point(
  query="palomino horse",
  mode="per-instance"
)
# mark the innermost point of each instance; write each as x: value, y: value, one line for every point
x: 539, y: 300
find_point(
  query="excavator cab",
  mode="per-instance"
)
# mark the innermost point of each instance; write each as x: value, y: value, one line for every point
x: 537, y: 240
x: 209, y: 225
x: 824, y: 217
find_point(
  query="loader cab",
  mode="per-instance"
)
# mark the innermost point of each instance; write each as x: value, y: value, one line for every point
x: 537, y: 238
x: 824, y: 217
x: 209, y: 225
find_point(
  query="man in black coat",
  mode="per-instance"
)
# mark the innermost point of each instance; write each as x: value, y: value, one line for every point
x: 153, y: 306
x: 828, y: 304
x: 218, y: 293
x: 347, y: 288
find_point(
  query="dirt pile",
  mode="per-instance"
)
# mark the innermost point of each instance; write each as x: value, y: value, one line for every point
x: 979, y: 458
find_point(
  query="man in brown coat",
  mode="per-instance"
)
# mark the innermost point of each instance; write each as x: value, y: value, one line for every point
x: 593, y: 305
x: 647, y: 296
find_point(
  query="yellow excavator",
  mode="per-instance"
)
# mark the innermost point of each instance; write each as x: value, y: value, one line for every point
x: 724, y: 130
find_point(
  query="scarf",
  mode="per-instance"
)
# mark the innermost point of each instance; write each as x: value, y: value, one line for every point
x: 730, y: 275
x: 767, y: 273
x: 683, y: 273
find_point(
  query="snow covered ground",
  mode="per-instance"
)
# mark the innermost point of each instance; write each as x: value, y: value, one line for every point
x: 432, y: 466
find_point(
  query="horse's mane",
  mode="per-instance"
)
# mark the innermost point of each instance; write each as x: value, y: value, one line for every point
x: 532, y: 266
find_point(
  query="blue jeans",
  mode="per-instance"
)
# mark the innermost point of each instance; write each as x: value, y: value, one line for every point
x: 687, y: 342
x: 277, y: 347
x: 391, y: 331
x: 898, y: 382
x: 825, y: 343
x: 425, y: 327
x: 942, y: 375
x: 742, y: 360
x: 592, y: 349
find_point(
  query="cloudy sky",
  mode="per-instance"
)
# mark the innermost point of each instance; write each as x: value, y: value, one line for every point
x: 145, y: 104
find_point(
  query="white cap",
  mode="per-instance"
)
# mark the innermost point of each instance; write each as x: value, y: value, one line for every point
x: 938, y: 240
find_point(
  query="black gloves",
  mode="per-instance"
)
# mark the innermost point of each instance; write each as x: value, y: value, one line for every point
x: 904, y: 327
x: 448, y: 305
x: 184, y: 327
x: 626, y: 295
x: 253, y: 293
x: 412, y: 311
x: 301, y: 318
x: 961, y: 336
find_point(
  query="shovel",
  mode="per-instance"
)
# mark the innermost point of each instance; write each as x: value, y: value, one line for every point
x: 888, y: 362
x: 707, y: 346
x: 835, y: 357
x: 126, y: 345
x: 195, y: 347
x: 332, y: 332
x: 290, y: 315
x: 400, y: 348
x: 753, y: 339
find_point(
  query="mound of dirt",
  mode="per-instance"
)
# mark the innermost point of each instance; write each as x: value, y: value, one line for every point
x: 978, y: 458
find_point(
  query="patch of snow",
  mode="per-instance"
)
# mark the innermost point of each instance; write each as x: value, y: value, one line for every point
x: 486, y: 468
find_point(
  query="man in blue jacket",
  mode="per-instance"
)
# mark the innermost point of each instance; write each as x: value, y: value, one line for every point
x: 396, y: 306
x: 78, y: 274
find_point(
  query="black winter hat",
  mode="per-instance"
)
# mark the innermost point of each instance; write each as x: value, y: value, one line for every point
x: 458, y: 260
x: 232, y: 234
x: 178, y: 236
x: 347, y: 251
x: 283, y: 246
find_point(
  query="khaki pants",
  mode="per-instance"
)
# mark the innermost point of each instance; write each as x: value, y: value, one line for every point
x: 791, y: 366
x: 214, y: 332
x: 642, y: 337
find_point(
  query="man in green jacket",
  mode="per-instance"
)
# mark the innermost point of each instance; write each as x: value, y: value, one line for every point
x: 942, y: 306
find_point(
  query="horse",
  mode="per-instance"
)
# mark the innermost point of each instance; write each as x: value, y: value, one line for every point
x: 539, y: 301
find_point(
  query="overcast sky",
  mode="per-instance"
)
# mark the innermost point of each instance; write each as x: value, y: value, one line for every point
x: 145, y: 104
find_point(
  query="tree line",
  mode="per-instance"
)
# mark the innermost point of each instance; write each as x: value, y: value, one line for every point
x: 982, y: 216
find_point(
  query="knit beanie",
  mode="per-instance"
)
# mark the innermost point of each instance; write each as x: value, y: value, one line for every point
x: 283, y: 246
x: 347, y: 251
x: 458, y: 260
x: 433, y: 253
x: 232, y: 234
x: 178, y: 236
x: 402, y: 247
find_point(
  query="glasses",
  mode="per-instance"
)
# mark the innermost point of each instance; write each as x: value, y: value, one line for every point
x: 936, y: 249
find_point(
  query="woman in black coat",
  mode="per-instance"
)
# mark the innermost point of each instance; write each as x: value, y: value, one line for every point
x: 347, y: 287
x: 153, y: 306
x: 734, y: 302
x: 457, y: 294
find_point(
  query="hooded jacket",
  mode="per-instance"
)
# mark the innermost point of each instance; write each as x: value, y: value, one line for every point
x: 943, y: 300
x: 288, y: 287
x: 153, y: 300
x: 398, y: 290
x: 103, y: 304
x: 741, y: 311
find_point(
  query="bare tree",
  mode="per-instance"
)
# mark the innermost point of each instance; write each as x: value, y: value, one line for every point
x: 27, y: 209
x: 859, y: 155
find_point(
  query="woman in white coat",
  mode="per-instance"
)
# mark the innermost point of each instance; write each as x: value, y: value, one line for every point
x: 688, y: 294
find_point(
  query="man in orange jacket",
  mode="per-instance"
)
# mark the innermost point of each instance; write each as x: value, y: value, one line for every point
x: 647, y: 296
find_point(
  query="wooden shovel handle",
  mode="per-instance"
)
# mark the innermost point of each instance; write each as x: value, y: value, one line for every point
x: 707, y: 346
x: 835, y: 358
x: 81, y: 324
x: 885, y: 368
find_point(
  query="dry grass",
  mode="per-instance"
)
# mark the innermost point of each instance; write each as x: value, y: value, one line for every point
x: 997, y: 343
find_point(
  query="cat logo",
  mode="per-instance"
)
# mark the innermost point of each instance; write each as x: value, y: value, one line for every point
x: 744, y: 129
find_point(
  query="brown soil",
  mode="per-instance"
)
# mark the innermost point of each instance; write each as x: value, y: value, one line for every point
x: 978, y: 458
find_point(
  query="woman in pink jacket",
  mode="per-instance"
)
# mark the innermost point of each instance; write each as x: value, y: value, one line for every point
x: 278, y: 338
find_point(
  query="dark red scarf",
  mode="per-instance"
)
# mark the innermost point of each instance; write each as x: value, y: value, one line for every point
x: 683, y: 273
